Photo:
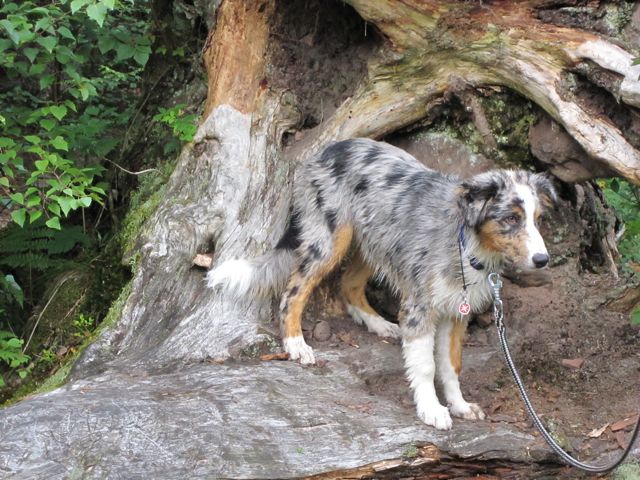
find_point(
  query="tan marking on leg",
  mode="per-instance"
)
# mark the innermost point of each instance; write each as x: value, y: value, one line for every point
x: 354, y: 282
x: 292, y: 324
x: 455, y: 346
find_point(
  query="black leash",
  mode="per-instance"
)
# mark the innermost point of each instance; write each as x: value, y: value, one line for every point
x: 496, y: 285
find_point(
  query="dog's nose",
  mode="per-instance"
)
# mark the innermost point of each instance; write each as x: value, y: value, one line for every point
x: 540, y: 259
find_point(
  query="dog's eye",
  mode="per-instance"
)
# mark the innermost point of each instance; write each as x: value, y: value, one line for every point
x: 512, y: 220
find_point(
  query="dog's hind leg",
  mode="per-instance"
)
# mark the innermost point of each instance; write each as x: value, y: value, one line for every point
x: 418, y: 328
x: 317, y: 259
x: 354, y: 282
x: 449, y: 337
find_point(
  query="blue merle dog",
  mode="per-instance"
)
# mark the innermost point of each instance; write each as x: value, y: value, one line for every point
x: 433, y: 237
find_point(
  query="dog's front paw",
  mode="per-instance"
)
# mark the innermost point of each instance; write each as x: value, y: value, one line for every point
x: 468, y: 411
x: 436, y: 416
x: 299, y: 350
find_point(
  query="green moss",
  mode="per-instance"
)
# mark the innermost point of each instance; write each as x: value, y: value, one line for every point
x: 510, y: 117
x: 619, y: 15
x: 410, y: 452
x: 144, y: 202
x: 628, y: 471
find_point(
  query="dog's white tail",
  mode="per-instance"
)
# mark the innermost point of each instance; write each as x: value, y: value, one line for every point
x: 261, y: 276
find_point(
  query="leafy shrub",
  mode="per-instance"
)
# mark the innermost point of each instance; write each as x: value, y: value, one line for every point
x: 65, y: 65
x: 11, y: 354
x: 625, y: 199
x: 182, y: 125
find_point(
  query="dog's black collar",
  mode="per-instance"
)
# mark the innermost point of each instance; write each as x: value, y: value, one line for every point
x: 473, y: 261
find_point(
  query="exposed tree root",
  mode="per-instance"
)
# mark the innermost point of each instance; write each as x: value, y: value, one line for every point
x: 434, y: 42
x: 427, y: 462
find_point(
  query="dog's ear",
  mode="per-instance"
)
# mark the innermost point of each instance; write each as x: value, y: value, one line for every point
x: 476, y: 195
x: 543, y: 186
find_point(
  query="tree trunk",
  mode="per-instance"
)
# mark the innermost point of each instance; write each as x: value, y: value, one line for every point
x: 230, y: 194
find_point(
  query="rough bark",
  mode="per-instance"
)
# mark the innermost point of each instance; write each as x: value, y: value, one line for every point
x: 230, y: 193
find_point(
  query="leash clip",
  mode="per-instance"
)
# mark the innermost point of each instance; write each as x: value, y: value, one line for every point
x: 496, y: 285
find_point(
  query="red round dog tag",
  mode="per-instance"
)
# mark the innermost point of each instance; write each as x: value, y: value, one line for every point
x: 464, y: 308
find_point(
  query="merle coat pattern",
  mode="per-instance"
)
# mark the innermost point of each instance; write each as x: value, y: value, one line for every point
x: 410, y: 225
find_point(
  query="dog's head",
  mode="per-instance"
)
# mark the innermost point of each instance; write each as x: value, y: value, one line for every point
x: 503, y: 208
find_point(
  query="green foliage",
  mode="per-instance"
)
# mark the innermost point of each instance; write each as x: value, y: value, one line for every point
x: 36, y: 247
x: 625, y: 199
x: 83, y: 326
x: 10, y: 292
x: 183, y: 126
x: 66, y: 64
x: 11, y: 354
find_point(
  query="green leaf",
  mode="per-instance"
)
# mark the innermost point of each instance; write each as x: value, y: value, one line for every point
x: 124, y: 51
x: 77, y: 5
x: 66, y: 204
x: 34, y: 215
x: 46, y: 81
x: 42, y: 164
x: 66, y: 33
x: 33, y: 201
x: 32, y: 139
x: 106, y: 43
x: 60, y: 143
x: 97, y: 12
x: 48, y: 43
x: 48, y: 124
x: 19, y: 216
x: 58, y: 111
x: 54, y: 208
x: 31, y: 53
x: 141, y: 58
x: 17, y: 197
x: 11, y: 31
x: 635, y: 317
x: 14, y: 289
x: 14, y: 342
x: 85, y: 201
x: 37, y: 68
x: 615, y: 185
x: 54, y: 222
x: 5, y: 44
x: 43, y: 24
x: 4, y: 181
x: 6, y: 142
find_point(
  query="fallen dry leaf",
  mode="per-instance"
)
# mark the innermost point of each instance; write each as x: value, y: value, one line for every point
x: 495, y: 407
x: 620, y: 440
x: 274, y: 356
x: 596, y: 432
x: 573, y: 363
x: 203, y: 260
x: 622, y: 424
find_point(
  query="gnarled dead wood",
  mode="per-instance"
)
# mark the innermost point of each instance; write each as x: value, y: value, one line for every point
x: 500, y: 44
